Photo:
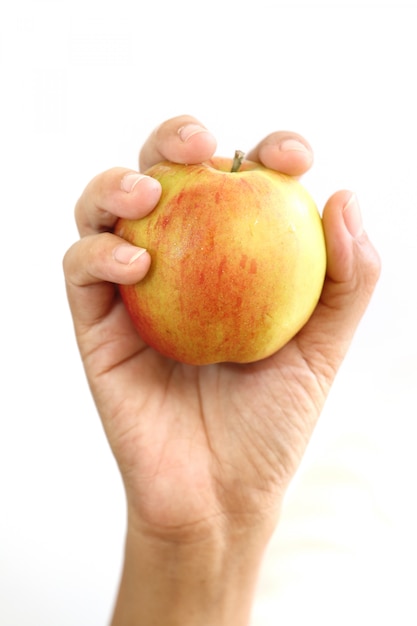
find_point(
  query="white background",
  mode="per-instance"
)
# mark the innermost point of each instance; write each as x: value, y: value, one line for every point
x: 82, y: 85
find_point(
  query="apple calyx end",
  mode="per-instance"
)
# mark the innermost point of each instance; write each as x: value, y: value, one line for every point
x: 237, y: 160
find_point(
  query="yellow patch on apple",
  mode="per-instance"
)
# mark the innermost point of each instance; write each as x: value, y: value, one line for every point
x: 238, y: 262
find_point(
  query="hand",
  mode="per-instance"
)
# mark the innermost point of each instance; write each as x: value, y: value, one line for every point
x: 206, y: 451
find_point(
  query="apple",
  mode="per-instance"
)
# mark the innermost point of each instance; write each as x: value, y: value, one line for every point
x: 238, y: 262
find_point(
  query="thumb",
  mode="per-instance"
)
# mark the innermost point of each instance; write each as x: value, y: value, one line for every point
x: 353, y: 269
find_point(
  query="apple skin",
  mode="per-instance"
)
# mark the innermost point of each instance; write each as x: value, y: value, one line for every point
x: 238, y: 262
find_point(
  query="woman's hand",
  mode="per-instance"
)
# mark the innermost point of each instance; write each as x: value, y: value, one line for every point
x: 206, y: 453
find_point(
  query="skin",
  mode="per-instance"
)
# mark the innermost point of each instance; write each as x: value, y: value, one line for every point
x: 206, y: 453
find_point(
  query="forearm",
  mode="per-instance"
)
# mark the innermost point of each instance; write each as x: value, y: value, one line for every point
x: 204, y: 583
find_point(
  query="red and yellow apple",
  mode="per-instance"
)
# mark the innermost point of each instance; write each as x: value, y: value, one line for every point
x: 238, y: 262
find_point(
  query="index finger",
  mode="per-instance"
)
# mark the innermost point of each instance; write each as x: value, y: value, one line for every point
x: 284, y: 151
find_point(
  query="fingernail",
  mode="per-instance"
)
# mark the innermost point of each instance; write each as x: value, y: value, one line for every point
x: 352, y: 216
x: 127, y: 254
x: 129, y: 181
x: 292, y: 145
x: 189, y: 130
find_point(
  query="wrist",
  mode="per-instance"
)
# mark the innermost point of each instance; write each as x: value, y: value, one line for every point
x: 206, y: 580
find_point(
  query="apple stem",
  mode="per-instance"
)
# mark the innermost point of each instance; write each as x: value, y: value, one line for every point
x: 237, y: 161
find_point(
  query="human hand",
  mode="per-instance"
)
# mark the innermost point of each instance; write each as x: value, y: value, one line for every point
x: 206, y: 451
x: 177, y: 430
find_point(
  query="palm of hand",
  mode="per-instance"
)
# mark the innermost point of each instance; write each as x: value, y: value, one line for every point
x: 196, y: 444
